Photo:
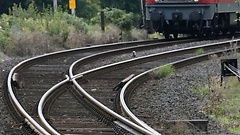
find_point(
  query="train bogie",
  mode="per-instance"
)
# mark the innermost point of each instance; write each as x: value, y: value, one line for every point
x: 195, y: 17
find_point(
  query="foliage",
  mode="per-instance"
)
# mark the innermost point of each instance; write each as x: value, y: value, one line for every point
x: 87, y: 9
x: 5, y: 41
x: 18, y: 11
x: 163, y: 71
x: 202, y: 90
x: 155, y: 35
x: 30, y: 32
x: 199, y: 51
x: 128, y: 5
x: 223, y: 102
x: 110, y: 35
x: 138, y: 34
x: 117, y: 17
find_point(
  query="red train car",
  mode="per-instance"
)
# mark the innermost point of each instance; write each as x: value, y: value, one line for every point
x: 195, y: 17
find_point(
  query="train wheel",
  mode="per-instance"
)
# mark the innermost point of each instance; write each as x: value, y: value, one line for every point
x: 166, y: 35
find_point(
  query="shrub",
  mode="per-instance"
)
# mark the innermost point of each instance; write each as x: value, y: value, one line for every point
x: 28, y: 32
x: 138, y: 34
x: 18, y: 11
x: 117, y: 17
x: 110, y: 35
x: 78, y: 39
x: 33, y: 43
x: 78, y: 23
x: 5, y: 42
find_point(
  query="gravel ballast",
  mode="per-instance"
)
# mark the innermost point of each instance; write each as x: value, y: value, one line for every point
x: 8, y: 126
x: 170, y: 99
x: 161, y: 100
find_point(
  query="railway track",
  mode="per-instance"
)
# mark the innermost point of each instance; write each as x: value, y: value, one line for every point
x: 98, y: 82
x: 73, y: 117
x: 43, y: 63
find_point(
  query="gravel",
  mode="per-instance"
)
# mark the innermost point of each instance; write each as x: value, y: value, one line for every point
x: 165, y: 99
x: 170, y: 99
x: 8, y: 126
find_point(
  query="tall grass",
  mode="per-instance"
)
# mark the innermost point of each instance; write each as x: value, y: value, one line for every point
x: 221, y: 100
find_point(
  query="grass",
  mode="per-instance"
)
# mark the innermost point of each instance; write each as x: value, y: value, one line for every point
x: 163, y: 71
x: 223, y: 103
x: 199, y: 51
x: 203, y: 90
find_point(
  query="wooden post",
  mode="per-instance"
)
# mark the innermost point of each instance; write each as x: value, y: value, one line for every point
x: 102, y: 21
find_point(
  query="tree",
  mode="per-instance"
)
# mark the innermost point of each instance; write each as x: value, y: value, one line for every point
x: 128, y: 5
x: 87, y: 8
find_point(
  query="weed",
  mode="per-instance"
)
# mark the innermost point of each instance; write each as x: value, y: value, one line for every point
x: 223, y: 102
x: 202, y: 90
x: 163, y: 71
x: 199, y: 51
x: 155, y: 35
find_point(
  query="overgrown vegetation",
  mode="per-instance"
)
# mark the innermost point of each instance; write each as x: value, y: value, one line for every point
x: 221, y: 101
x: 163, y: 71
x: 30, y: 32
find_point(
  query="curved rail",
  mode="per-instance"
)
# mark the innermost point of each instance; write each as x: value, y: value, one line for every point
x: 145, y: 75
x: 42, y: 103
x: 27, y: 63
x: 34, y: 60
x: 151, y: 57
x: 135, y: 61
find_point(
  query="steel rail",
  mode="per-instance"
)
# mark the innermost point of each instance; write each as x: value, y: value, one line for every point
x: 27, y: 63
x: 131, y: 48
x: 100, y: 105
x: 152, y: 57
x: 42, y: 103
x: 146, y: 75
x: 109, y: 111
x: 34, y: 60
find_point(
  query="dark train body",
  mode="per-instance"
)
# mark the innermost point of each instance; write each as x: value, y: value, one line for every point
x: 194, y: 17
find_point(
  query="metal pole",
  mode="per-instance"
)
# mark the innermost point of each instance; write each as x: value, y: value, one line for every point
x: 55, y: 5
x: 73, y: 11
x: 143, y: 12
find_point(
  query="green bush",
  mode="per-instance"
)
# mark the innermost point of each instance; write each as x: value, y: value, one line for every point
x: 76, y: 22
x: 5, y: 42
x: 116, y: 16
x: 18, y: 11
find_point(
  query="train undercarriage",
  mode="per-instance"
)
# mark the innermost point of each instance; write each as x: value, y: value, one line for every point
x: 222, y: 23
